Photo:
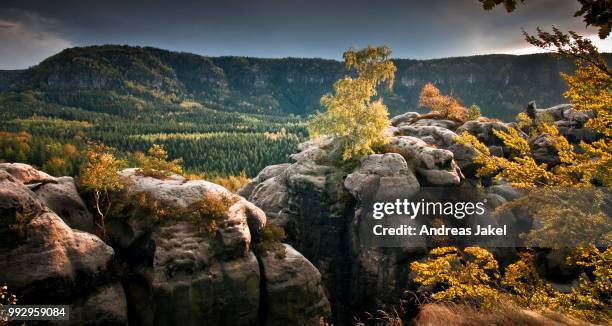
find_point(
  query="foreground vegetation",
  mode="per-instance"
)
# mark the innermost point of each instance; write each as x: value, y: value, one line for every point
x: 473, y: 275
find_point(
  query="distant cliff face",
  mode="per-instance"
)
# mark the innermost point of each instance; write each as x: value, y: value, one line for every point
x: 107, y: 77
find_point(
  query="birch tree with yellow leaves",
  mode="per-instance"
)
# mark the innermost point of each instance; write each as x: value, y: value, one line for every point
x: 356, y: 117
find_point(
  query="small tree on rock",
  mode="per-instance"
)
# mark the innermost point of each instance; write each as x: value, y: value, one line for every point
x: 156, y: 164
x: 101, y: 176
x: 356, y: 117
x: 441, y: 106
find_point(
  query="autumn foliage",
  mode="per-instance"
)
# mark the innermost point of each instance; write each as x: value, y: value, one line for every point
x: 356, y: 117
x: 232, y: 182
x: 563, y: 197
x: 442, y: 106
x: 156, y: 163
x: 101, y: 176
x: 584, y: 165
x: 472, y: 276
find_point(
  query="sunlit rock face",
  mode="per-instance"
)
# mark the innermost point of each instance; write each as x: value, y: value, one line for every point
x: 45, y: 261
x: 141, y: 270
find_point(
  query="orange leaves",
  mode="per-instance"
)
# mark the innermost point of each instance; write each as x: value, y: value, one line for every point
x: 447, y: 106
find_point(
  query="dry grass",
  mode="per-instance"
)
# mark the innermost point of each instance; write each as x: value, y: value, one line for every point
x: 502, y: 314
x: 206, y: 214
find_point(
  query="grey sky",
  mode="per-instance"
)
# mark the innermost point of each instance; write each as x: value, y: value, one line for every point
x: 31, y: 30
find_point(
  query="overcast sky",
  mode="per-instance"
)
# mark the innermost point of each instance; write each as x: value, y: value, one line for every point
x: 31, y: 30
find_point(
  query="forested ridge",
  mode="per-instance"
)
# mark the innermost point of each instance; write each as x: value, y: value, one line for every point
x: 223, y: 115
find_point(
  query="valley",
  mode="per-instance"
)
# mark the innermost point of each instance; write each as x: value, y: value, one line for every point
x: 223, y: 115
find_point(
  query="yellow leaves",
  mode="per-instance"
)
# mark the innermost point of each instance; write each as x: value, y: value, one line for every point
x: 354, y: 117
x: 372, y: 64
x: 210, y: 211
x: 577, y: 168
x: 101, y: 173
x: 472, y: 275
x: 513, y: 140
x: 156, y: 164
x: 600, y: 262
x: 586, y: 301
x: 466, y: 275
x: 520, y: 171
x: 524, y: 121
x: 232, y: 183
x: 563, y: 214
x: 472, y: 113
x: 470, y: 140
x: 590, y: 89
x: 523, y: 172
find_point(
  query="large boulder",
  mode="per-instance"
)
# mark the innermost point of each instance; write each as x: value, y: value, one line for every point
x: 436, y: 166
x: 25, y: 173
x: 382, y: 177
x: 318, y: 203
x: 43, y: 259
x: 106, y: 306
x: 404, y: 118
x: 445, y: 139
x: 483, y: 130
x: 294, y: 294
x: 194, y: 272
x: 57, y: 259
x: 377, y: 271
x: 63, y: 198
x: 178, y: 194
x: 310, y: 201
x: 194, y: 280
x: 268, y: 172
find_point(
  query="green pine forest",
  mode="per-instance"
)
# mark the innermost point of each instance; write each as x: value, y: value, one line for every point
x: 222, y: 115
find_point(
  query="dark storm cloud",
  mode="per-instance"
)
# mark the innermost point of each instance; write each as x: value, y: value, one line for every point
x: 276, y: 28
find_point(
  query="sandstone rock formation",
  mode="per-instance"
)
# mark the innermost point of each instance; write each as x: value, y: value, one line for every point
x: 164, y: 269
x: 293, y: 289
x: 436, y: 166
x: 324, y: 205
x: 63, y: 198
x: 25, y: 173
x: 43, y: 259
x: 187, y: 274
